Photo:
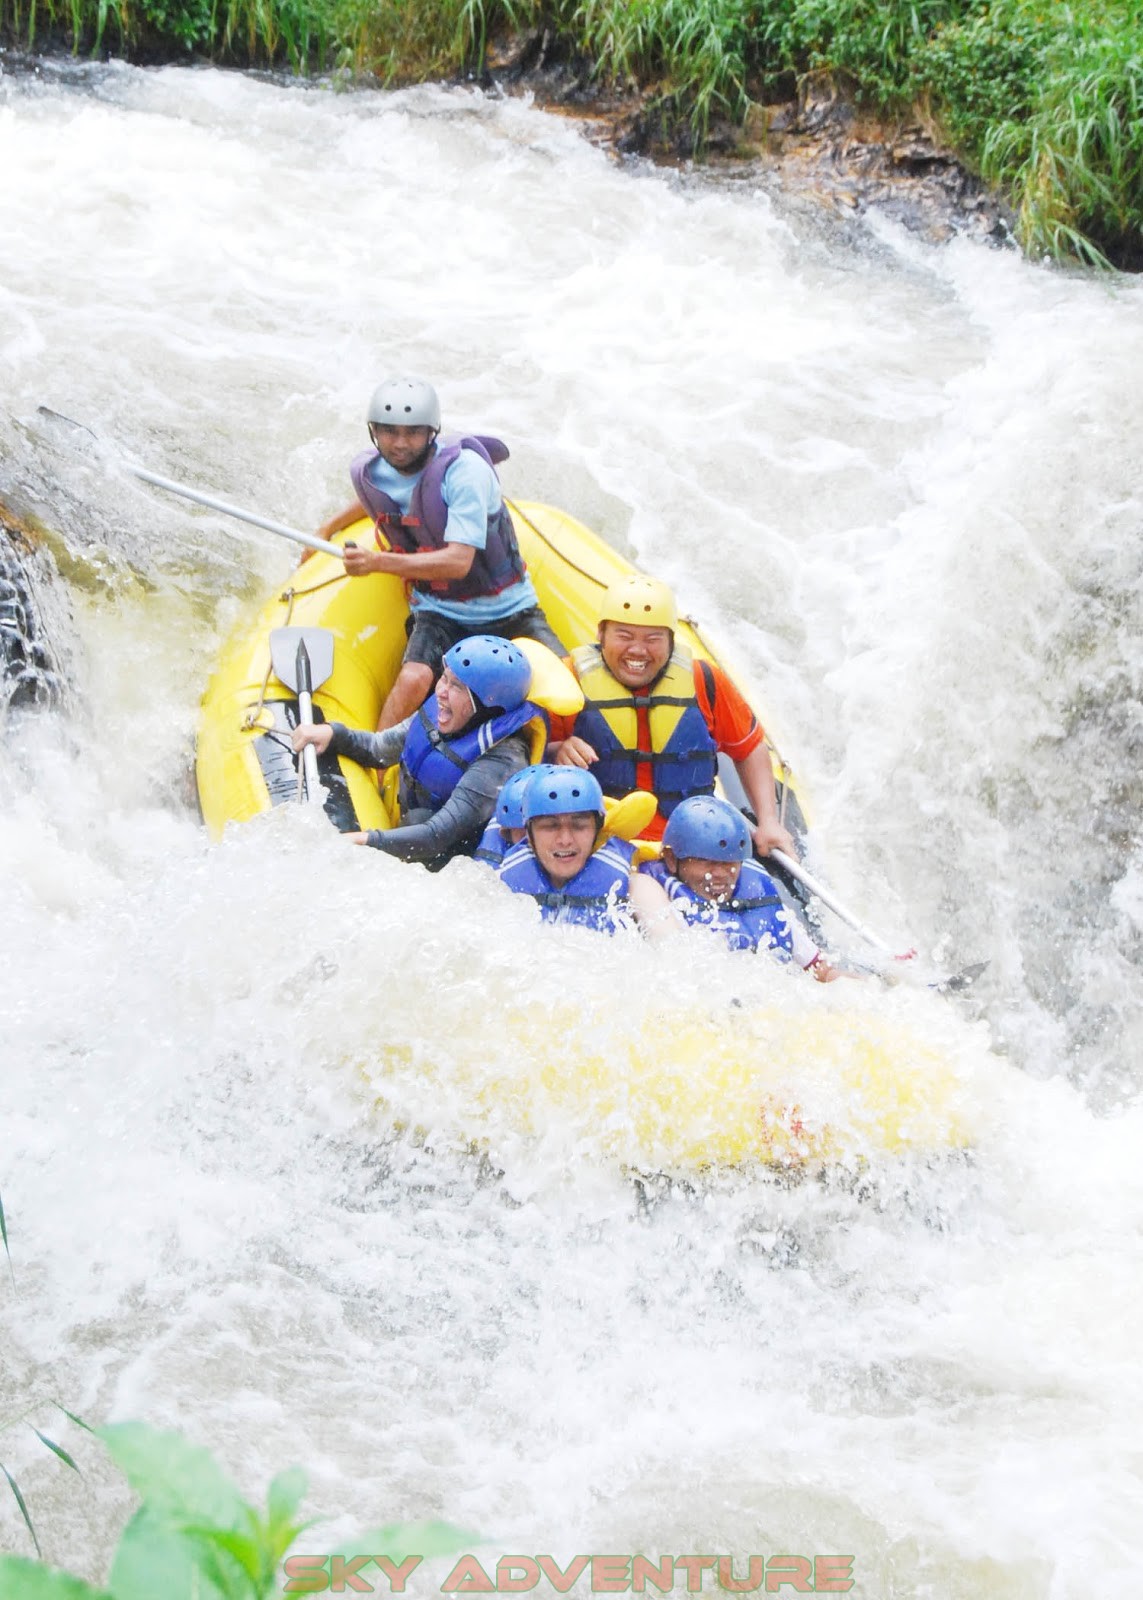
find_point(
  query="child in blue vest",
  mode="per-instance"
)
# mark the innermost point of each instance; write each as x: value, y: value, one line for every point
x: 561, y: 865
x: 706, y: 877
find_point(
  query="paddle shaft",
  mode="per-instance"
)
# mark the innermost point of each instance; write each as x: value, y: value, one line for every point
x: 311, y: 541
x: 306, y: 714
x: 796, y: 870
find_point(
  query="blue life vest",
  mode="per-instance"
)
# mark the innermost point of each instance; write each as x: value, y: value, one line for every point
x: 753, y: 919
x: 495, y: 568
x: 683, y: 753
x: 591, y: 899
x: 432, y: 766
x: 493, y: 846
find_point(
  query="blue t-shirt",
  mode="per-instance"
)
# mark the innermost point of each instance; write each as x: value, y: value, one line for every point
x: 471, y: 491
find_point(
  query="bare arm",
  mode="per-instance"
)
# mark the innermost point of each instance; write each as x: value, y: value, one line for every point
x: 757, y: 776
x: 650, y: 902
x: 573, y: 752
x: 336, y: 523
x: 426, y: 566
x: 342, y: 520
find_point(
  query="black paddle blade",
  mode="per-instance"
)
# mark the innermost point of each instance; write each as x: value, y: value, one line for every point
x: 960, y: 981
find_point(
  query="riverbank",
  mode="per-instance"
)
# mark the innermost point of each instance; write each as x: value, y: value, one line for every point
x: 1025, y: 113
x: 818, y: 148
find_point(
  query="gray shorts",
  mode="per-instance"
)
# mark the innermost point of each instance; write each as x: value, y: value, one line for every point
x: 431, y: 634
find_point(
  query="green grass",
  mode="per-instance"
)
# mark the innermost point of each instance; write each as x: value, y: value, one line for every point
x: 696, y: 49
x: 1074, y: 161
x: 1042, y: 97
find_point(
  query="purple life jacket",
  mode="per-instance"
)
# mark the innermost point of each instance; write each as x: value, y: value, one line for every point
x: 495, y: 568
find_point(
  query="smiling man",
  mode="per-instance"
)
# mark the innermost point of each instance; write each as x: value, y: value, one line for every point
x: 442, y: 525
x: 561, y: 864
x: 656, y: 719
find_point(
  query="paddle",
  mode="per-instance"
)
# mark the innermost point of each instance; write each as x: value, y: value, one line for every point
x: 311, y: 541
x: 303, y: 659
x: 796, y: 870
x: 955, y: 983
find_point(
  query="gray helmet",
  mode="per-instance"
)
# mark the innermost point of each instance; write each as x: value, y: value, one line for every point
x: 406, y: 403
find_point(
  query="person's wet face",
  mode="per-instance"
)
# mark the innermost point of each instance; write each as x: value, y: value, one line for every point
x: 402, y: 447
x: 634, y: 655
x: 713, y: 880
x: 455, y: 707
x: 563, y: 843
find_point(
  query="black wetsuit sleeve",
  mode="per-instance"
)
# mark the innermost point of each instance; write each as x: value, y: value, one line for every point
x: 369, y: 749
x: 462, y: 819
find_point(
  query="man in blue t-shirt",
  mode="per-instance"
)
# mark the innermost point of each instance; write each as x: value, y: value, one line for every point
x: 438, y: 506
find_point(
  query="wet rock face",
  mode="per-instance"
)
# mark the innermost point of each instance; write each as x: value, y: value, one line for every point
x: 30, y: 671
x: 822, y: 146
x: 818, y: 148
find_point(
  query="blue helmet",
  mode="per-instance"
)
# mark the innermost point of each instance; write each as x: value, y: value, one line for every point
x: 707, y: 828
x: 510, y: 801
x: 493, y: 670
x: 555, y: 791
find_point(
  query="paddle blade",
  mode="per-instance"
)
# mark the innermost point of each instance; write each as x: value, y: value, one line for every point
x: 960, y: 981
x: 284, y: 644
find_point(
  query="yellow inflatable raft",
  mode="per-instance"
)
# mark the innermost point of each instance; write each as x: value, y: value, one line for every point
x: 244, y: 764
x: 814, y: 1077
x: 831, y: 1076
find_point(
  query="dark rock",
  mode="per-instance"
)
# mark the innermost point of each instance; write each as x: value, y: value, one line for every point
x: 30, y: 669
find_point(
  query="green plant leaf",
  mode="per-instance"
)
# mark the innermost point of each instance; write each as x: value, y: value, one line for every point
x: 56, y: 1449
x: 286, y: 1494
x: 174, y: 1477
x: 155, y: 1561
x: 4, y: 1236
x: 281, y: 1527
x: 28, y: 1580
x: 15, y: 1488
x: 247, y: 1552
x: 71, y: 1416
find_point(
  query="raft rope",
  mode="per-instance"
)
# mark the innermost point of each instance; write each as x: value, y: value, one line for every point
x: 600, y: 583
x: 252, y: 716
x: 287, y: 598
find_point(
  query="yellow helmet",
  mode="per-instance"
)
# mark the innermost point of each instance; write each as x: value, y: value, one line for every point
x: 643, y: 601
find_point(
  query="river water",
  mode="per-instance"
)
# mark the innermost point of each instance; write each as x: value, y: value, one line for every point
x: 900, y: 484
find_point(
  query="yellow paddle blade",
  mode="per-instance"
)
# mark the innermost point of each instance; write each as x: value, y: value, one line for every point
x: 554, y: 685
x: 627, y: 817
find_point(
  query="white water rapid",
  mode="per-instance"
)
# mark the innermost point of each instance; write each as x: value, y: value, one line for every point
x: 900, y: 484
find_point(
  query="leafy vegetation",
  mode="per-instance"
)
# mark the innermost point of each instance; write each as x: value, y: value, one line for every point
x: 57, y: 1450
x: 194, y: 1537
x: 1043, y: 97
